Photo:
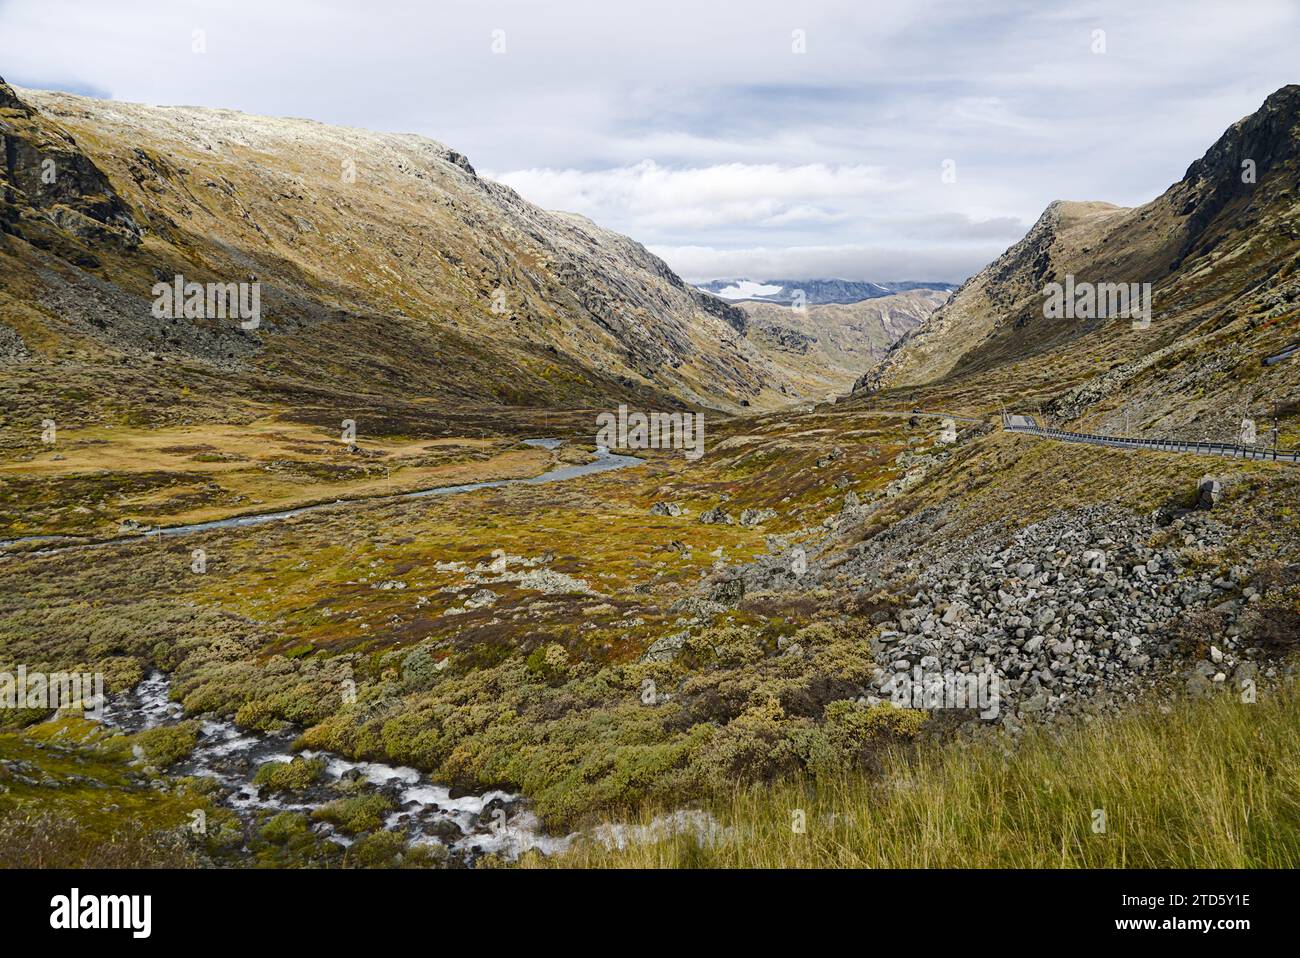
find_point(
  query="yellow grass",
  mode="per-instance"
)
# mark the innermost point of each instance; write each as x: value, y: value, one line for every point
x: 1210, y: 784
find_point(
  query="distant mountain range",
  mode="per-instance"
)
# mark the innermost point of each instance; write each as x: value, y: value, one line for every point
x: 823, y: 349
x: 817, y: 292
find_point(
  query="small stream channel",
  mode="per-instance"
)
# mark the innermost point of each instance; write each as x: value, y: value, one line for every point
x: 467, y: 825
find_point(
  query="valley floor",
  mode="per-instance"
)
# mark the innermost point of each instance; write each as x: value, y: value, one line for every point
x: 641, y: 641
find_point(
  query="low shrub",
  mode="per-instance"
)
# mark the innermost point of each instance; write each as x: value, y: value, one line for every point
x: 167, y: 744
x: 290, y: 776
x: 360, y: 813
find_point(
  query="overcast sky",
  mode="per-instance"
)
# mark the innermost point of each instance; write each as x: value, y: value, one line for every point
x: 696, y: 127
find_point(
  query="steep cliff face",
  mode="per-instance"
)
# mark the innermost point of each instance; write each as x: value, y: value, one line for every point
x: 385, y: 264
x: 49, y: 185
x: 1252, y: 152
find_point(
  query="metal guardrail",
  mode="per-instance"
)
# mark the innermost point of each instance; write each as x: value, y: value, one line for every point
x: 1159, y: 445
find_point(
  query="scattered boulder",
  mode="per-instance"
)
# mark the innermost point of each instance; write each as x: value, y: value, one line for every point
x: 666, y: 648
x: 1200, y: 679
x: 1209, y: 492
x: 717, y: 516
x: 480, y: 599
x: 730, y: 592
x: 756, y: 517
x: 445, y: 830
x: 834, y: 456
x: 1094, y: 561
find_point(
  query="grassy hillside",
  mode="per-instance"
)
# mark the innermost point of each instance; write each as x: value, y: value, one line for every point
x: 1205, y: 784
x: 1219, y: 249
x: 389, y: 270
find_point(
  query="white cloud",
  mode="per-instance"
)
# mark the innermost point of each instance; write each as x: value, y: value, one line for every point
x: 654, y: 197
x: 689, y: 126
x: 901, y: 228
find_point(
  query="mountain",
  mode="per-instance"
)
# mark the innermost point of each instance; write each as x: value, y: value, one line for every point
x: 814, y: 292
x: 1221, y: 250
x: 390, y: 273
x: 1014, y: 281
x: 824, y: 348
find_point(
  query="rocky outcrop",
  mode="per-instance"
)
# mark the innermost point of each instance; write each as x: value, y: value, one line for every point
x: 1268, y: 140
x: 1209, y: 492
x: 786, y: 339
x: 45, y: 174
x: 12, y: 347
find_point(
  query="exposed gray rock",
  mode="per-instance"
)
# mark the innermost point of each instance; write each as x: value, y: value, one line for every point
x: 1209, y: 491
x: 716, y: 516
x: 834, y: 456
x: 729, y: 592
x: 665, y: 649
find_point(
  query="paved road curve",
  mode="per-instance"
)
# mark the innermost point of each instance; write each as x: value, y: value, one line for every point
x: 1027, y: 425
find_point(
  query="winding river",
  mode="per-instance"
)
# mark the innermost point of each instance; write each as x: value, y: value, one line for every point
x: 604, y: 461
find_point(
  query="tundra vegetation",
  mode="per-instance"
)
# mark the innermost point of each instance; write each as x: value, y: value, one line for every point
x: 541, y: 688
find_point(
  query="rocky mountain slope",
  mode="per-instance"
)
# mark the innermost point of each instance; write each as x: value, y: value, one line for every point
x: 1220, y: 251
x: 1013, y: 281
x: 823, y: 349
x: 388, y: 269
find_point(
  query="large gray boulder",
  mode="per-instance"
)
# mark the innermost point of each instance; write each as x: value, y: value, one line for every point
x: 666, y: 648
x: 1209, y: 492
x: 756, y: 517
